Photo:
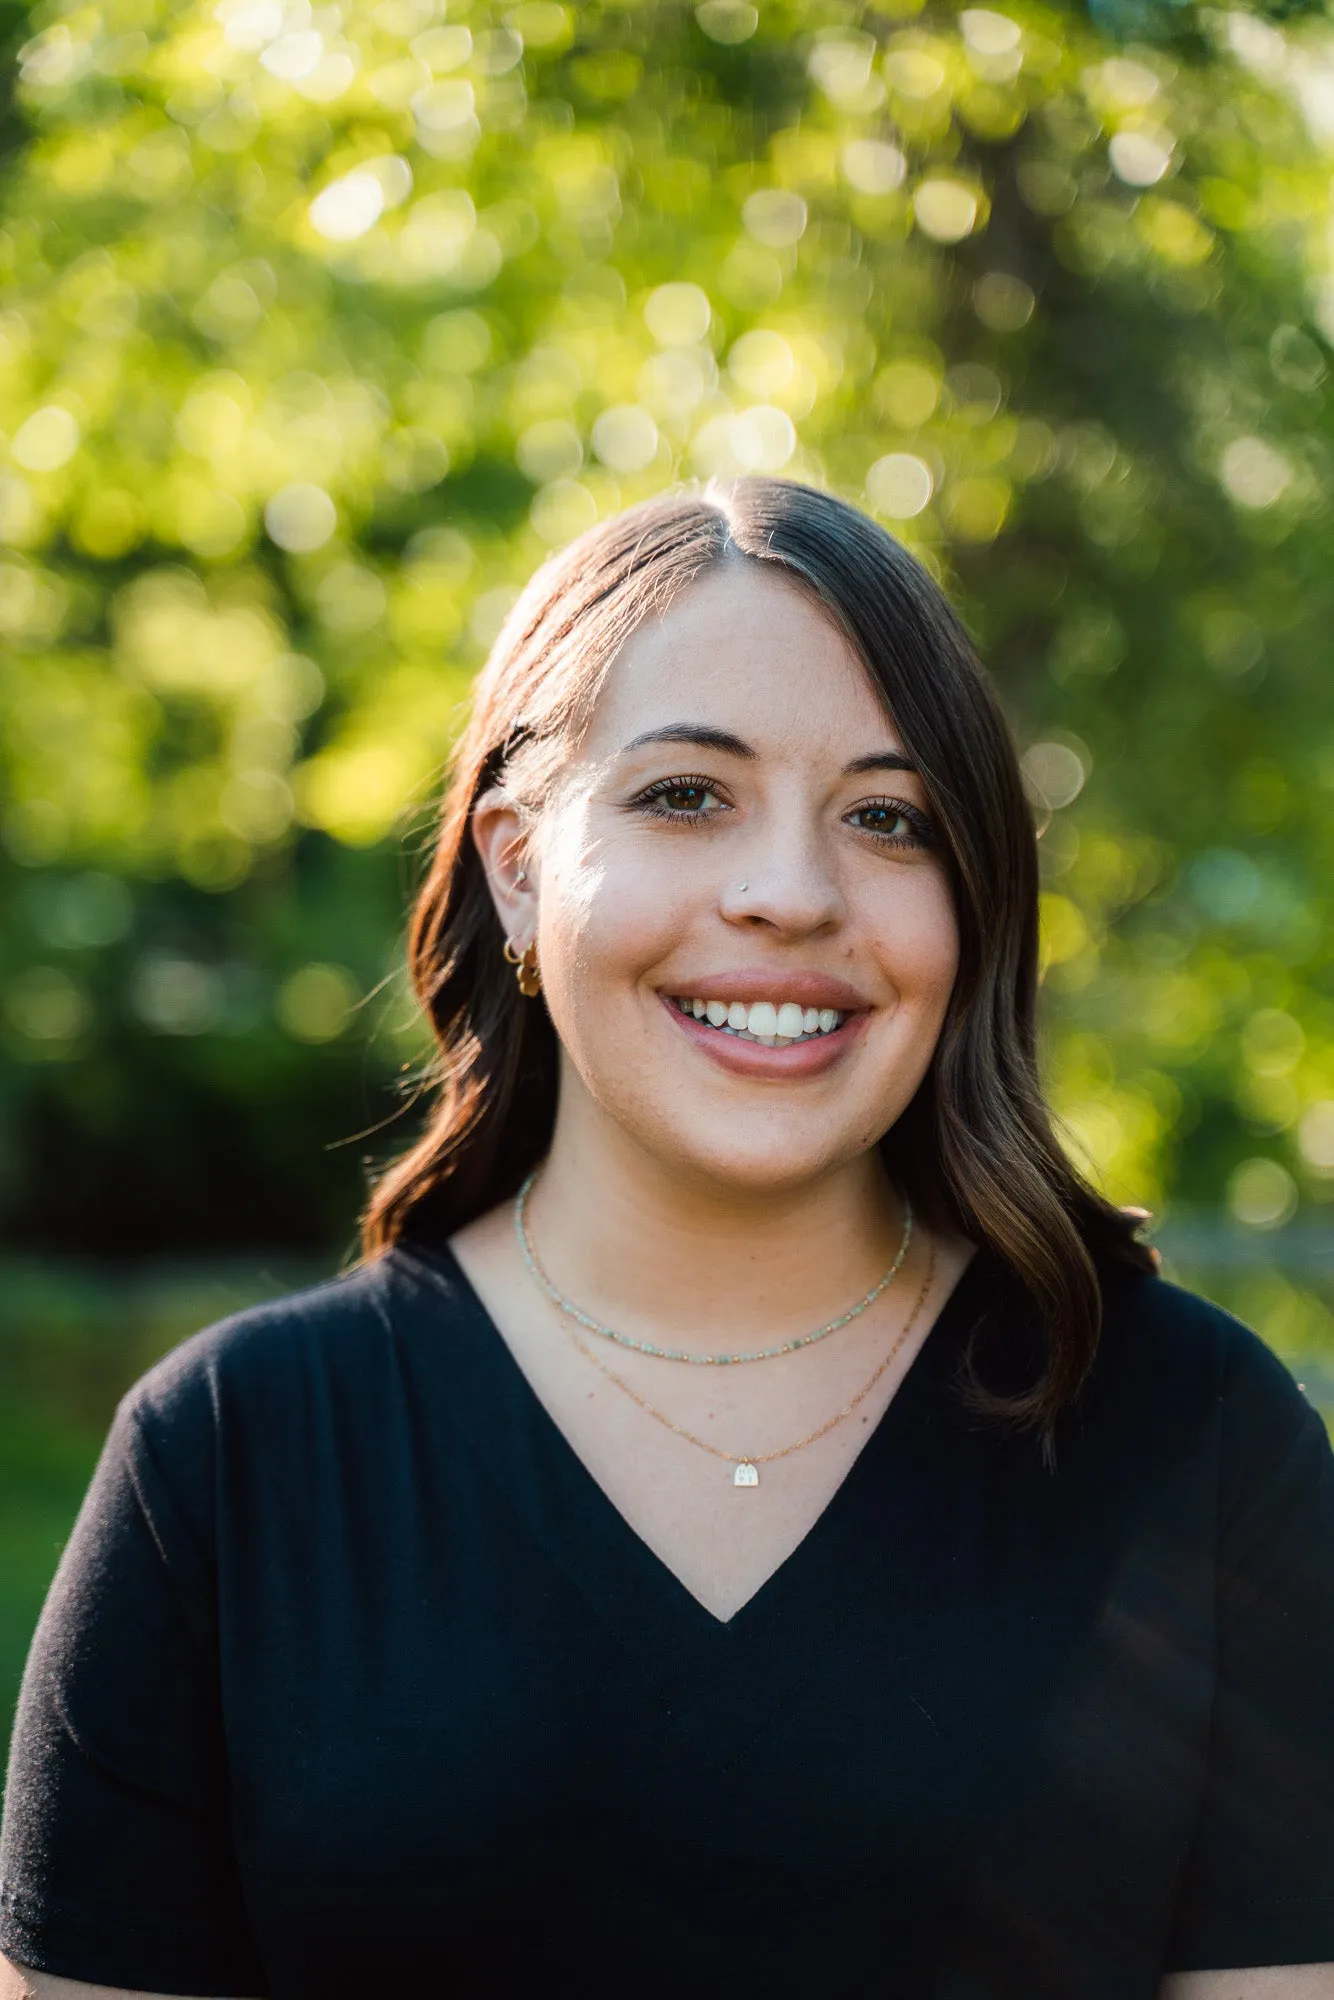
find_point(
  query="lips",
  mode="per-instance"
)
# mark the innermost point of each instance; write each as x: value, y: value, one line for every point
x: 777, y: 1057
x: 802, y: 989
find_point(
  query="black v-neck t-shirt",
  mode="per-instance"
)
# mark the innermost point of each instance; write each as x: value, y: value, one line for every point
x: 353, y: 1681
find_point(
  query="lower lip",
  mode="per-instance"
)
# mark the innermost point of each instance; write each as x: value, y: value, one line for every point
x: 743, y: 1058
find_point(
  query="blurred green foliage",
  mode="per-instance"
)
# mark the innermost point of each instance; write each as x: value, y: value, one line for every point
x: 323, y: 321
x: 72, y: 1339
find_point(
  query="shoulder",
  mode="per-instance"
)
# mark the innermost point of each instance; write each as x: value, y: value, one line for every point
x: 262, y: 1339
x: 1170, y: 1358
x: 255, y: 1409
x: 337, y: 1337
x: 1158, y: 1331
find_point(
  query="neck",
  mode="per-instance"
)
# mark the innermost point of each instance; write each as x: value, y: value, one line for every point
x: 660, y: 1253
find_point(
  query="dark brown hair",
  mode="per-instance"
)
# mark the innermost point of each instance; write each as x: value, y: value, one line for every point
x: 975, y: 1149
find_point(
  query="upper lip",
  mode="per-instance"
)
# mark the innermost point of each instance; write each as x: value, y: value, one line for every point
x: 807, y: 989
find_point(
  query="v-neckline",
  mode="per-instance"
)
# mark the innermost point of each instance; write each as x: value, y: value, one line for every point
x: 599, y: 1521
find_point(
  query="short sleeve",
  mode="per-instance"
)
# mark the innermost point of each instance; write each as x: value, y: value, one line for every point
x: 1259, y: 1885
x: 116, y: 1865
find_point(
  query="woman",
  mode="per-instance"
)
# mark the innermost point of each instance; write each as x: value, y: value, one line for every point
x: 753, y: 1522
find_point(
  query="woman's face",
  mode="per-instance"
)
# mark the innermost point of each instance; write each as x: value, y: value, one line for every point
x: 744, y: 921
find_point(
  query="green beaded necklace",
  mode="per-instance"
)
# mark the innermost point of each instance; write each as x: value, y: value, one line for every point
x: 572, y: 1311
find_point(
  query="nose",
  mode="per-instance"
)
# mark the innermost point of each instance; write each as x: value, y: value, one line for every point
x: 784, y: 882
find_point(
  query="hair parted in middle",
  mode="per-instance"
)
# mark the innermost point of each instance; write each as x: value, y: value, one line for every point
x: 975, y: 1150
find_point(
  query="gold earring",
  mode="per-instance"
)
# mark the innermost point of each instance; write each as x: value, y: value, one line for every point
x: 527, y: 973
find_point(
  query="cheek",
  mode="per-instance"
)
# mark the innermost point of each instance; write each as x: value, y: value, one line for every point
x: 917, y: 942
x: 608, y: 912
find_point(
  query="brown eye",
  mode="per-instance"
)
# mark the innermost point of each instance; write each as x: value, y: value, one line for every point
x: 893, y: 822
x: 681, y: 798
x: 684, y: 798
x: 881, y: 819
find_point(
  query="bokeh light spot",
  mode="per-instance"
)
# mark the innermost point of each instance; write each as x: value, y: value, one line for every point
x: 625, y: 438
x: 762, y: 362
x: 1261, y: 1194
x: 763, y: 439
x: 541, y: 24
x: 978, y: 508
x: 1253, y: 473
x: 1064, y: 929
x: 457, y: 342
x: 292, y: 57
x: 900, y: 485
x: 1315, y: 1136
x: 678, y: 315
x: 990, y: 33
x: 914, y: 73
x: 1055, y: 773
x: 1272, y: 1042
x: 347, y: 208
x: 443, y: 49
x: 1226, y: 885
x: 315, y: 1003
x: 727, y: 21
x: 47, y: 440
x: 840, y: 63
x: 45, y: 1005
x: 1002, y: 302
x: 907, y: 392
x: 562, y: 510
x: 873, y: 166
x: 445, y: 108
x: 549, y: 449
x: 300, y: 518
x: 775, y: 217
x: 175, y: 995
x: 1140, y: 158
x: 946, y: 210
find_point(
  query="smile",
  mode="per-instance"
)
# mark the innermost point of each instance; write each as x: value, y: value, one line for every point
x: 760, y: 1021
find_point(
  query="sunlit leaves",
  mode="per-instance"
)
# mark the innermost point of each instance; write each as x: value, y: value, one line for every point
x: 321, y: 330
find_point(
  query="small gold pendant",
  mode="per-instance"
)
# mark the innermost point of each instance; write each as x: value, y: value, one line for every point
x: 745, y: 1475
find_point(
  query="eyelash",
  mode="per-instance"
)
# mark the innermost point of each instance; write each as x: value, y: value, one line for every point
x: 647, y: 800
x: 923, y: 833
x: 649, y: 803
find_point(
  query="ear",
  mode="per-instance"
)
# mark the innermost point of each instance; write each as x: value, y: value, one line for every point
x: 501, y: 840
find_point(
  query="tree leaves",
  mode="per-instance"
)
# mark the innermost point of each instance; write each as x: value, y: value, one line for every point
x: 323, y: 325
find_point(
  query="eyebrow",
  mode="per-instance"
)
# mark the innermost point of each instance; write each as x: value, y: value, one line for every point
x: 705, y: 738
x: 879, y: 760
x: 698, y: 733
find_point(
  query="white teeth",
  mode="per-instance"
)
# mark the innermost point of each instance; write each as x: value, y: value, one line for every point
x: 761, y: 1021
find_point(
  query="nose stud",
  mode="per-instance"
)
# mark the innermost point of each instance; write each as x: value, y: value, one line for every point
x: 742, y: 888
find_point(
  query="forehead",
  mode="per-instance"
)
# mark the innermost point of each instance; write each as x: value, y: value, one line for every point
x: 746, y: 650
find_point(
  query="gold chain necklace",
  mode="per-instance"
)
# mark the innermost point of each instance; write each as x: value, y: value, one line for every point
x: 746, y: 1463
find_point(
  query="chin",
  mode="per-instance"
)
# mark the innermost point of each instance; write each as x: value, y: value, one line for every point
x: 773, y: 1159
